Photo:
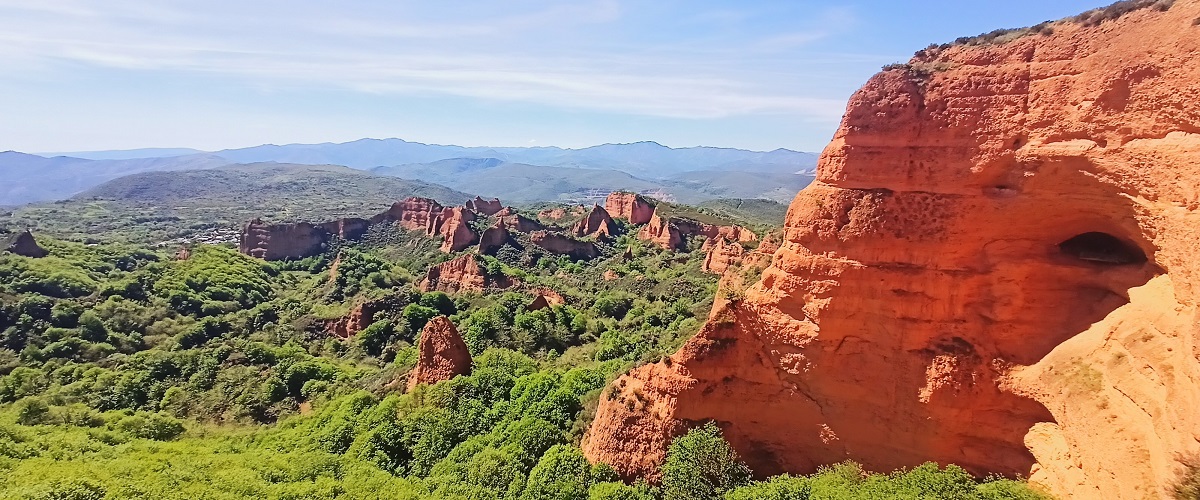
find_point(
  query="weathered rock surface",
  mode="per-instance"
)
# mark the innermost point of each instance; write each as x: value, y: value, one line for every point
x: 661, y: 232
x: 597, y: 223
x: 564, y: 245
x: 360, y: 317
x: 629, y: 206
x: 722, y: 254
x: 485, y: 207
x: 281, y: 241
x: 413, y: 214
x: 442, y: 354
x: 672, y: 233
x: 451, y: 225
x: 995, y: 268
x: 545, y: 297
x: 522, y: 224
x: 22, y: 243
x: 494, y: 237
x: 463, y: 274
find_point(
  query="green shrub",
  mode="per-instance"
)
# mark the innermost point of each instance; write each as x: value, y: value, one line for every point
x: 156, y: 426
x: 33, y: 411
x: 701, y: 465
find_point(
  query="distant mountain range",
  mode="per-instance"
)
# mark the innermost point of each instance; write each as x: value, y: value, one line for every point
x: 519, y: 174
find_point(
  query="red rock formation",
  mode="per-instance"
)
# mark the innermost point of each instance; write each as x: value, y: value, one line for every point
x: 629, y: 206
x: 597, y: 223
x: 995, y: 268
x: 545, y: 297
x: 662, y: 233
x: 672, y: 233
x: 552, y: 213
x: 522, y: 224
x: 451, y: 225
x: 769, y: 244
x: 413, y: 214
x: 22, y: 243
x: 563, y: 245
x: 442, y: 354
x: 485, y: 207
x: 360, y: 317
x: 347, y: 229
x: 281, y: 241
x: 298, y: 240
x: 463, y: 274
x: 723, y: 254
x: 494, y: 238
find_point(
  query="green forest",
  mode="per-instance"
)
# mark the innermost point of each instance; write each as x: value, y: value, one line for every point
x: 126, y: 372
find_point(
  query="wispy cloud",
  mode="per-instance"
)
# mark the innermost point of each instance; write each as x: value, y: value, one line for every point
x: 555, y: 53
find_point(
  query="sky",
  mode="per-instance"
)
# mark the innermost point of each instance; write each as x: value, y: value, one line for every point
x: 81, y: 75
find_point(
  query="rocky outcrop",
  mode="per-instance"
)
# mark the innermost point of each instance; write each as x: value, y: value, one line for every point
x: 347, y: 229
x: 597, y: 223
x: 22, y: 243
x: 461, y: 275
x: 441, y: 354
x: 282, y: 241
x: 661, y: 232
x: 564, y: 245
x: 629, y: 206
x: 721, y: 255
x: 298, y: 240
x: 553, y: 214
x: 522, y: 224
x: 485, y: 207
x: 995, y: 268
x: 545, y: 297
x: 494, y: 237
x: 412, y: 214
x: 672, y: 233
x: 451, y: 225
x: 360, y: 317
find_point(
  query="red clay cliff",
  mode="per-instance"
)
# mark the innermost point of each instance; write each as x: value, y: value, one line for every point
x: 441, y: 354
x: 996, y: 267
x: 629, y: 206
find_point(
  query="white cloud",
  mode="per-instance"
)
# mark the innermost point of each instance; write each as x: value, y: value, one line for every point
x: 557, y: 53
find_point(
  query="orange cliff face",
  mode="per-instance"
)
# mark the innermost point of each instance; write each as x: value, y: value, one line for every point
x: 995, y: 268
x: 442, y: 354
x: 629, y: 206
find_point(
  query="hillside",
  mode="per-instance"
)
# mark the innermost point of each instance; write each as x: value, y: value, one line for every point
x: 26, y: 178
x: 209, y: 205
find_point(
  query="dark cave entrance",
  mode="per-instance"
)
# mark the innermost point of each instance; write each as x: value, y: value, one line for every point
x: 1103, y: 249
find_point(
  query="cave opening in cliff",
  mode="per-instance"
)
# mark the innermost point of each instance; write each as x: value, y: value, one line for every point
x: 1102, y: 248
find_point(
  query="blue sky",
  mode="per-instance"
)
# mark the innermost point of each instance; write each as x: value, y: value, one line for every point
x: 114, y: 74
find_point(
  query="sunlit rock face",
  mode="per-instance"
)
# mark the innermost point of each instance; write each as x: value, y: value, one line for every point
x: 996, y: 268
